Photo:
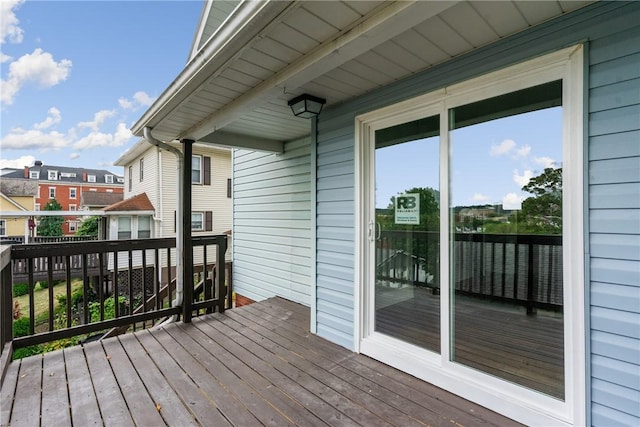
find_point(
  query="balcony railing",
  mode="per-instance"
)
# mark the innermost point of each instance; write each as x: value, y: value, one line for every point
x: 107, y: 287
x: 524, y: 270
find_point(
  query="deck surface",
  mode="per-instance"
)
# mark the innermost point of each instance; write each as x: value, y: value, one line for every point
x: 250, y: 366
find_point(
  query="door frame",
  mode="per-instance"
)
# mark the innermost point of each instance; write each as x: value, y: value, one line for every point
x: 506, y: 398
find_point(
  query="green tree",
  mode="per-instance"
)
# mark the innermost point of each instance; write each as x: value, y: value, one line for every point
x: 542, y: 213
x: 89, y: 227
x: 51, y: 225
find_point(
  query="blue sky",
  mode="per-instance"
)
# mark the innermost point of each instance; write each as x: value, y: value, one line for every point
x: 490, y: 162
x: 77, y: 74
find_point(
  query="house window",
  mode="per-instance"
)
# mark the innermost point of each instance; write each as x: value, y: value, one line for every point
x: 144, y: 227
x: 108, y: 179
x: 34, y: 174
x: 72, y: 193
x: 141, y: 169
x: 487, y: 227
x: 196, y: 169
x: 130, y: 177
x: 124, y: 227
x: 52, y: 192
x: 109, y: 190
x: 197, y: 221
x: 72, y: 208
x: 53, y: 176
x: 229, y: 189
x: 3, y: 227
x: 73, y: 226
x: 36, y: 207
x: 91, y: 178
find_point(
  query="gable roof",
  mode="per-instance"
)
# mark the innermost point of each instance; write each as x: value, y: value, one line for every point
x: 99, y: 199
x: 65, y: 174
x: 18, y: 187
x: 139, y: 202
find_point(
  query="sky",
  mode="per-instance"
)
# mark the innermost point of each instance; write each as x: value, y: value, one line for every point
x: 76, y: 75
x: 489, y: 163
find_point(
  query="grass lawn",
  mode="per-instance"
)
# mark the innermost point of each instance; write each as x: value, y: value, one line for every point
x: 42, y: 298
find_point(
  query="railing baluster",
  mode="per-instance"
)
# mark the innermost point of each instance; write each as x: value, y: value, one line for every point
x: 101, y: 281
x: 50, y: 289
x: 67, y: 262
x: 115, y: 285
x: 130, y: 283
x: 85, y: 289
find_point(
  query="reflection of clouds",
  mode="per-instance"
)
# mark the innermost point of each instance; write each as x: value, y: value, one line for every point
x: 512, y: 201
x: 480, y: 198
x: 546, y: 162
x: 523, y: 179
x: 503, y: 148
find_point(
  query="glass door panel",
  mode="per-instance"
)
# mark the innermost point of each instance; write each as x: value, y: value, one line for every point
x: 406, y: 233
x: 506, y: 237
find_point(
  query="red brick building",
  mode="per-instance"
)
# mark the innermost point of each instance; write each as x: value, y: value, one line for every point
x: 67, y: 185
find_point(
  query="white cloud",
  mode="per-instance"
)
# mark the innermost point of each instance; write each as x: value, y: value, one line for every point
x: 523, y: 151
x: 105, y: 164
x: 523, y: 179
x: 18, y: 163
x: 4, y: 58
x: 20, y: 139
x: 140, y: 99
x: 503, y: 148
x: 546, y: 162
x: 512, y: 201
x: 39, y: 68
x: 53, y: 118
x: 9, y: 28
x: 74, y: 156
x: 98, y: 120
x: 479, y: 198
x: 98, y: 139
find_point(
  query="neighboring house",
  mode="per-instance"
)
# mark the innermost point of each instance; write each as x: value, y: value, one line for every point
x: 66, y: 185
x: 130, y: 218
x: 432, y: 89
x: 16, y: 195
x: 96, y: 201
x: 154, y: 172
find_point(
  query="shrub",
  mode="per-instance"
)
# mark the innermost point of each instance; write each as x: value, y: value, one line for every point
x: 21, y: 327
x: 20, y: 289
x: 44, y: 284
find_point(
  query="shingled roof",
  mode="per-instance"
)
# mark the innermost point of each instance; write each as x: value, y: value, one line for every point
x: 140, y: 202
x: 96, y: 199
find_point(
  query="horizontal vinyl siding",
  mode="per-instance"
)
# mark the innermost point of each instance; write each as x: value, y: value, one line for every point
x: 272, y: 223
x: 613, y: 126
x: 614, y: 211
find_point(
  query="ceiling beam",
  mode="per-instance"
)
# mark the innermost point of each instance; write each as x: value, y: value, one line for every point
x: 382, y: 25
x: 233, y: 140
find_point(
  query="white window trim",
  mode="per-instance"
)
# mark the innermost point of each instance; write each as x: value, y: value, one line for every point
x: 34, y: 174
x: 73, y: 193
x: 52, y: 175
x: 201, y: 172
x: 3, y: 226
x: 73, y: 208
x: 524, y: 405
x: 54, y: 192
x: 108, y: 179
x: 91, y: 178
x: 202, y: 215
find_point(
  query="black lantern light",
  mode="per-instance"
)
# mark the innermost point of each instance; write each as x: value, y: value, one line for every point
x: 306, y: 106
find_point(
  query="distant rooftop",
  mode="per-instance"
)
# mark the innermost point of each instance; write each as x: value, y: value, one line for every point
x: 42, y: 172
x: 94, y: 199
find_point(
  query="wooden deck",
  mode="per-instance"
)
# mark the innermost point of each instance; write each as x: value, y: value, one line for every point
x: 254, y: 365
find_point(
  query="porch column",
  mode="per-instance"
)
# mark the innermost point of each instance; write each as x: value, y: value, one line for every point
x: 187, y: 250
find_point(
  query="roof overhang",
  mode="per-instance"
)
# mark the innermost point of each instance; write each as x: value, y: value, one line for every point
x: 234, y: 90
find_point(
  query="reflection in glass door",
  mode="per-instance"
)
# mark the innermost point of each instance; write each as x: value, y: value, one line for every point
x: 406, y: 233
x: 506, y: 237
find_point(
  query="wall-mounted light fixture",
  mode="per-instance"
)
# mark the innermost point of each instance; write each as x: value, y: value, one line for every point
x: 306, y: 106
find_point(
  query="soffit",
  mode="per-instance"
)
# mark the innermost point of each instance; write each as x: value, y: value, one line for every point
x: 339, y: 50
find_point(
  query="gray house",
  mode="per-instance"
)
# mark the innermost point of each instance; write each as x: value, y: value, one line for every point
x: 427, y: 110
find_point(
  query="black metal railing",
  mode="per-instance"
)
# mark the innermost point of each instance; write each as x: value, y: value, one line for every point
x: 107, y: 286
x: 525, y: 270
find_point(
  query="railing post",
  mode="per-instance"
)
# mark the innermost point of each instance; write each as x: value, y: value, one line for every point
x: 6, y: 297
x: 220, y: 273
x: 530, y: 290
x: 187, y: 250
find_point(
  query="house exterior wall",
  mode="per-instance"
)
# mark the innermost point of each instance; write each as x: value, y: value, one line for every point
x: 272, y: 223
x: 16, y: 226
x: 612, y: 126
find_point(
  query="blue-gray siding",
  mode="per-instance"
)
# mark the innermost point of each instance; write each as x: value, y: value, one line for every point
x: 272, y: 223
x: 613, y: 126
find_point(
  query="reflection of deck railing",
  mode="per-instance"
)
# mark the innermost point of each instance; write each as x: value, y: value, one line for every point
x: 520, y: 269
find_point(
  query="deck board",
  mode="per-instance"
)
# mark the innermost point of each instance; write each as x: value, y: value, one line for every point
x: 254, y: 365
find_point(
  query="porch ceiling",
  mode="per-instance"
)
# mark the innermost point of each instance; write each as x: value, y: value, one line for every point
x: 336, y: 50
